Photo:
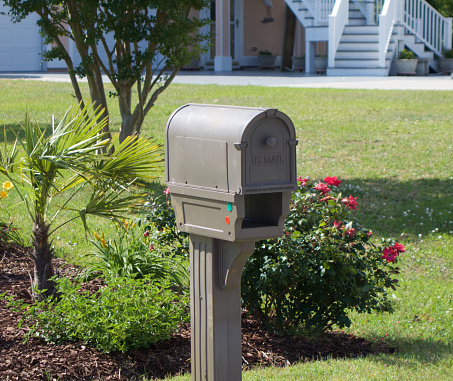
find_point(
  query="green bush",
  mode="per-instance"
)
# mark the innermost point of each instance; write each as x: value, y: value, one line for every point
x: 8, y: 233
x: 127, y: 313
x: 448, y: 53
x: 323, y: 267
x: 131, y: 254
x: 406, y: 54
x: 159, y: 224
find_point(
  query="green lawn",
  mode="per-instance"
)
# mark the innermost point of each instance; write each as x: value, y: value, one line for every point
x: 392, y: 149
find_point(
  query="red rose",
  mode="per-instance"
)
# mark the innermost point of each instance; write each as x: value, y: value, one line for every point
x: 399, y: 248
x: 350, y: 232
x: 390, y: 254
x: 322, y: 188
x: 350, y: 202
x: 303, y: 182
x: 332, y: 181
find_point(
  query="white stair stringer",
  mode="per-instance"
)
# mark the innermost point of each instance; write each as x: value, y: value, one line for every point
x: 358, y: 53
x: 302, y: 13
x: 419, y: 48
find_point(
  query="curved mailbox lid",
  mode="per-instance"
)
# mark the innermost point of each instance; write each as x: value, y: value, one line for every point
x: 230, y: 149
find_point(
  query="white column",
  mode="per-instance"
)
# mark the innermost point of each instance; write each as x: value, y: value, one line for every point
x: 448, y: 34
x: 310, y: 57
x: 370, y: 19
x: 222, y: 59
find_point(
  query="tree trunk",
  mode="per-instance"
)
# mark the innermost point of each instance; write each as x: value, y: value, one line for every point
x: 42, y: 257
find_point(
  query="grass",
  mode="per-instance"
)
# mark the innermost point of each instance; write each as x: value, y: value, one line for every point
x: 392, y: 149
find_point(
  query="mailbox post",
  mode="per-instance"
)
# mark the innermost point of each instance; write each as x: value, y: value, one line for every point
x: 230, y: 172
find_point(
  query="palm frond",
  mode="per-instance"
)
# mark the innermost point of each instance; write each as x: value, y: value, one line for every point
x: 135, y: 157
x: 7, y: 156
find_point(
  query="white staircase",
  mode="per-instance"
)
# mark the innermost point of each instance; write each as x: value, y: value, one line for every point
x: 364, y: 36
x: 358, y: 53
x: 358, y: 49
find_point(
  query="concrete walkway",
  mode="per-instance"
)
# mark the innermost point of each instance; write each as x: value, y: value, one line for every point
x: 280, y: 79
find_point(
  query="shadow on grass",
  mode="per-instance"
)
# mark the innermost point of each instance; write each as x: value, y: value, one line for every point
x: 16, y: 129
x: 418, y: 350
x: 391, y: 207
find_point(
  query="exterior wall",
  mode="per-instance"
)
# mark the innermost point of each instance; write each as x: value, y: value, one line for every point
x: 59, y: 64
x: 263, y: 36
x: 20, y: 43
x: 266, y: 36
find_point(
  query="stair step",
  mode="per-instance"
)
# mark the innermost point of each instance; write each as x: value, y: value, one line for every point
x: 358, y: 45
x: 361, y: 29
x: 356, y: 63
x: 359, y: 38
x: 368, y: 71
x: 358, y: 21
x: 353, y: 55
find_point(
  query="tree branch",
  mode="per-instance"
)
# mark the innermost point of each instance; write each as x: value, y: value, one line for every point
x: 156, y: 93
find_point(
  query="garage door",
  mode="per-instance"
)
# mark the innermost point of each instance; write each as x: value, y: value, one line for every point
x: 20, y: 44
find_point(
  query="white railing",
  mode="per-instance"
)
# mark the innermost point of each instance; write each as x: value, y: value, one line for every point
x: 337, y: 21
x: 386, y: 22
x: 320, y: 9
x: 379, y: 4
x: 428, y: 25
x: 370, y: 9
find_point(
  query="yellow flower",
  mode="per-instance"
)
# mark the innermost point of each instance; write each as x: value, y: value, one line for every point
x: 97, y: 236
x: 8, y: 185
x: 3, y: 194
x: 103, y: 243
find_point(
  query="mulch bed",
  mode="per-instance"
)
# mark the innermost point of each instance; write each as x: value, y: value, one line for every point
x: 36, y: 360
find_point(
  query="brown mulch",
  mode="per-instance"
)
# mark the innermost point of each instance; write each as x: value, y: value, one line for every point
x: 36, y: 360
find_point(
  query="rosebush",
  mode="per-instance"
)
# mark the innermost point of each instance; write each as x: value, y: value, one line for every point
x: 323, y: 267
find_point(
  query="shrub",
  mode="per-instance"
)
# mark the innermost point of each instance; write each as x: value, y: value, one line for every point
x: 127, y: 313
x: 131, y: 254
x: 448, y: 53
x: 160, y: 223
x: 406, y: 54
x: 8, y: 233
x: 323, y: 267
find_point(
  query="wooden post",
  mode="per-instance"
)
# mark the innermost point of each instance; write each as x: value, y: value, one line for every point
x: 215, y: 307
x: 288, y: 39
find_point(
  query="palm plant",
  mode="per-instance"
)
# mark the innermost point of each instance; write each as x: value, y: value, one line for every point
x: 66, y: 162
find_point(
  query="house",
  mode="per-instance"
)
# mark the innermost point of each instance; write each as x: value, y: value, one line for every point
x: 359, y: 37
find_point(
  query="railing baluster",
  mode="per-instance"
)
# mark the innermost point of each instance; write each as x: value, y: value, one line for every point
x: 427, y: 24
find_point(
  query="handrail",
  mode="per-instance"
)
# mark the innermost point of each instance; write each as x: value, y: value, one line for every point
x: 337, y: 21
x: 379, y: 4
x: 370, y: 9
x: 428, y: 25
x: 386, y: 22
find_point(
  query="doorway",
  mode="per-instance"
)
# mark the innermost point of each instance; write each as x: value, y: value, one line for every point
x: 236, y: 31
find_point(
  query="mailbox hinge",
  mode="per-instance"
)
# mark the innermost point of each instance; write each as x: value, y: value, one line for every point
x: 271, y: 112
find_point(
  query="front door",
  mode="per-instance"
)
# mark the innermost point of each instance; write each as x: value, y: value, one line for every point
x: 236, y: 31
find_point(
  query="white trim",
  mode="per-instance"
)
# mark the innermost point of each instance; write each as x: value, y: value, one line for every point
x: 239, y: 31
x: 223, y: 63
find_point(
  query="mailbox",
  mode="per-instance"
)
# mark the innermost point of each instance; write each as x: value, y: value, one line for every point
x: 230, y: 170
